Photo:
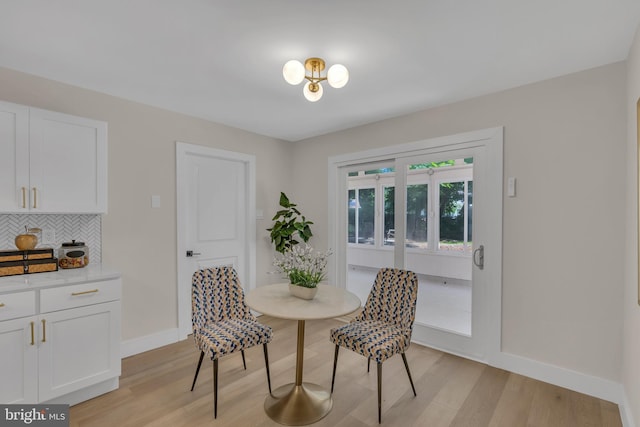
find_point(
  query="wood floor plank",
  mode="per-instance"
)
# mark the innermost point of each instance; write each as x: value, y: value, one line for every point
x: 459, y: 383
x: 515, y: 403
x: 451, y: 391
x: 550, y: 406
x: 610, y: 414
x: 435, y: 415
x: 481, y: 402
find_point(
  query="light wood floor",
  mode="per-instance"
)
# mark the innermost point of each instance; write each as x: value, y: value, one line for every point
x: 452, y: 391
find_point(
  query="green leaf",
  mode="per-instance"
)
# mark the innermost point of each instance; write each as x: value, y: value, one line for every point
x: 288, y: 222
x: 284, y: 201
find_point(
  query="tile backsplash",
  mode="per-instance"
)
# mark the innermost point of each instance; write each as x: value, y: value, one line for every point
x: 85, y: 228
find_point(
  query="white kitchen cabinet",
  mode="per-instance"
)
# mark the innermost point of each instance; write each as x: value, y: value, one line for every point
x: 14, y: 157
x: 51, y: 162
x: 67, y: 350
x: 19, y: 367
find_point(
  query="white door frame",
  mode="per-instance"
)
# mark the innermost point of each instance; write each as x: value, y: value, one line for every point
x: 492, y: 142
x: 184, y: 289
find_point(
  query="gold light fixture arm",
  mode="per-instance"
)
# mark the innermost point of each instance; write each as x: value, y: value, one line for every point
x: 314, y: 66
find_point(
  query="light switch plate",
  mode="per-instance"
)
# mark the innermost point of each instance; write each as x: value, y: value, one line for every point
x: 155, y: 201
x: 48, y: 236
x: 511, y: 187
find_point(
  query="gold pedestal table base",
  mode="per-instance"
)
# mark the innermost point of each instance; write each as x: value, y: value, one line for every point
x: 296, y: 405
x: 300, y: 403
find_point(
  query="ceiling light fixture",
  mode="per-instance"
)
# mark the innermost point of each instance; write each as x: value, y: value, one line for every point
x: 294, y: 73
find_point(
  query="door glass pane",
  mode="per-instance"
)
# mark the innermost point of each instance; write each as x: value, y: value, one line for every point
x: 366, y: 201
x: 452, y: 220
x: 389, y: 216
x: 437, y: 230
x: 371, y: 217
x: 351, y: 223
x: 417, y: 213
x: 438, y: 215
x: 469, y: 213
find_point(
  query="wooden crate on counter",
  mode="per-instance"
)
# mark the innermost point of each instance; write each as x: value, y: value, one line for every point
x: 46, y: 253
x: 27, y: 262
x: 11, y: 268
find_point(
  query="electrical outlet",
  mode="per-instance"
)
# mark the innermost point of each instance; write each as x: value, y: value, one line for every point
x: 48, y: 235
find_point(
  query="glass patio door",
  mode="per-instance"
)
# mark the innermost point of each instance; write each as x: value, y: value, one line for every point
x: 433, y: 207
x: 437, y: 211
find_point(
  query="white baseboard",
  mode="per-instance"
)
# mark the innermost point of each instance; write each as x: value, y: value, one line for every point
x: 583, y: 383
x: 87, y: 393
x: 149, y: 342
x: 625, y: 411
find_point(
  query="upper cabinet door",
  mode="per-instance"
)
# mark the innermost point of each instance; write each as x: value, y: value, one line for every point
x: 68, y: 163
x: 14, y: 157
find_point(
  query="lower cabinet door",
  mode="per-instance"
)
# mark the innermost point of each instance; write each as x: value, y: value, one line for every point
x: 77, y: 348
x: 19, y: 366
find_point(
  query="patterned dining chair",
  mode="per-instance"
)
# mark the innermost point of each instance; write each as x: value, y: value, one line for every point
x: 384, y: 326
x: 222, y: 322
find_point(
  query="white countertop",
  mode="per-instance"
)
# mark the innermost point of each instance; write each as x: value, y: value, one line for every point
x: 25, y: 282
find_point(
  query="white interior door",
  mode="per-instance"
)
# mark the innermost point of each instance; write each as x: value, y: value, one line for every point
x: 216, y: 211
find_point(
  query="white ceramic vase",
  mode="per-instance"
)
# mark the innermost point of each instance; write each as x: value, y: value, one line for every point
x: 302, y: 292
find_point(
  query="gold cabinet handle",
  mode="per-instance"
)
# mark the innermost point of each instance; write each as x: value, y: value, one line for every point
x: 24, y: 198
x: 92, y: 291
x: 44, y: 331
x: 33, y: 338
x: 1, y: 304
x: 35, y: 198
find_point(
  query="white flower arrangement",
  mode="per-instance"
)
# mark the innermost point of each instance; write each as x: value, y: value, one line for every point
x: 303, y: 266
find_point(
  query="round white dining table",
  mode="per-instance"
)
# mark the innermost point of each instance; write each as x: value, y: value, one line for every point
x: 300, y: 403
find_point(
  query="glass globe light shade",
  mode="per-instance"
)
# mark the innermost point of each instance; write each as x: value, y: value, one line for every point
x: 293, y: 72
x: 337, y: 76
x: 312, y: 96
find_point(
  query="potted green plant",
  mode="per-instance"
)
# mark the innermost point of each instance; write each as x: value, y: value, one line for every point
x: 289, y: 225
x: 303, y: 266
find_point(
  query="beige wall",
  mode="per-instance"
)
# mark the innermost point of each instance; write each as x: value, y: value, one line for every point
x: 563, y: 258
x: 631, y: 343
x: 563, y: 233
x: 138, y: 240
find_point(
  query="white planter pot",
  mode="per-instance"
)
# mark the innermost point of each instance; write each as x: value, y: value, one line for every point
x: 302, y: 292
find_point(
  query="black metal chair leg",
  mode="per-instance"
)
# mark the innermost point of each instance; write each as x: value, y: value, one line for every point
x: 379, y: 392
x: 197, y: 370
x: 406, y: 365
x: 215, y: 388
x: 335, y: 362
x: 244, y: 362
x: 266, y: 365
x: 368, y: 364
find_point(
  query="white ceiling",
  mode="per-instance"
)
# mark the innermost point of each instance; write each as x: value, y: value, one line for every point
x: 221, y: 60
